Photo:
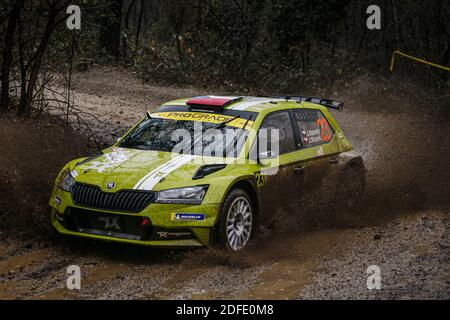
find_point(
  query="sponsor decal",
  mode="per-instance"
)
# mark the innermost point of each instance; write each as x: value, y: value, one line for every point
x: 204, y: 117
x: 187, y: 216
x: 167, y: 234
x: 57, y: 200
x: 109, y: 160
x: 117, y: 155
x: 311, y: 136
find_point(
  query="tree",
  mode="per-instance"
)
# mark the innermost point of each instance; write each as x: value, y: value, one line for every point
x: 7, y: 52
x: 32, y: 68
x: 111, y: 26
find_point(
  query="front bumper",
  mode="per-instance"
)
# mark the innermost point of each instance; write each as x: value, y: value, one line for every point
x: 155, y: 243
x: 200, y: 236
x: 163, y: 230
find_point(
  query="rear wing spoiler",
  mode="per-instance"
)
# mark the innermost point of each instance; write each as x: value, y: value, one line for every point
x: 329, y: 103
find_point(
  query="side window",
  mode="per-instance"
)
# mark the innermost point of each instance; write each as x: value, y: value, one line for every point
x: 281, y: 121
x: 313, y: 127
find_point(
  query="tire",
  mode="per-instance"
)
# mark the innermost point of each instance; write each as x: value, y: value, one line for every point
x: 236, y: 222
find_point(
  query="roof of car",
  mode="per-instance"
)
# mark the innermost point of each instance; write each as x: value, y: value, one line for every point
x: 255, y: 104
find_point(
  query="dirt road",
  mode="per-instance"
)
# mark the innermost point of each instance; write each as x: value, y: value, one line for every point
x: 403, y: 228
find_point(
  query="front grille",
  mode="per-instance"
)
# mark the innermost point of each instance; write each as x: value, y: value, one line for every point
x: 104, y: 224
x: 122, y: 201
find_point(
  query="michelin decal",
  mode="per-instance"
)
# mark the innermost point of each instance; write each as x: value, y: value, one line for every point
x: 187, y: 216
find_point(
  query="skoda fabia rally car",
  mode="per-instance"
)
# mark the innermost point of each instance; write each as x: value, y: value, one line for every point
x: 206, y: 170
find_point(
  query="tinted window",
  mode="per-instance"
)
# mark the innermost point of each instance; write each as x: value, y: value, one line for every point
x: 313, y: 127
x: 281, y: 121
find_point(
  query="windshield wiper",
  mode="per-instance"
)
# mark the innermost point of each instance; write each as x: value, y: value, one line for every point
x: 223, y: 124
x: 235, y: 138
x: 246, y: 122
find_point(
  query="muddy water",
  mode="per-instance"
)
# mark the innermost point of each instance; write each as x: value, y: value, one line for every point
x: 403, y: 226
x: 411, y: 250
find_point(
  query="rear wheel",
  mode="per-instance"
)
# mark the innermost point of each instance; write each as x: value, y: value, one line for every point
x: 236, y: 221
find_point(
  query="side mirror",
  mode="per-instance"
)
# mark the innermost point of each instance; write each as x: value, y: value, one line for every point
x: 267, y: 155
x: 264, y: 158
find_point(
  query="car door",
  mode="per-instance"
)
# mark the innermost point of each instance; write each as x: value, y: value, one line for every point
x: 318, y: 155
x: 285, y: 174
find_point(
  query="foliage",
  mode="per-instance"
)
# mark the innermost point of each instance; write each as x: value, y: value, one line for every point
x: 277, y: 43
x: 263, y: 45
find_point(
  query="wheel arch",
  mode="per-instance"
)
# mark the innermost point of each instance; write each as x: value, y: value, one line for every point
x: 248, y: 184
x: 249, y: 187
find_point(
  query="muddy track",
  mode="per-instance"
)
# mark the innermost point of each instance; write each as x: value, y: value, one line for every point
x: 403, y: 227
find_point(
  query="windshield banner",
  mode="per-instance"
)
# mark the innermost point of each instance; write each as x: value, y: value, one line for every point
x: 205, y: 117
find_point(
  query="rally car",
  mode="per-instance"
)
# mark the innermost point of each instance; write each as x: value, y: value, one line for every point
x: 170, y: 182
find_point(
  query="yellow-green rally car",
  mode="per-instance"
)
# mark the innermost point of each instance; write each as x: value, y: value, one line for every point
x: 206, y: 169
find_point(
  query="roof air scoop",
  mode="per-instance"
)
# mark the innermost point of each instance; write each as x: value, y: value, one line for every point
x: 212, y: 102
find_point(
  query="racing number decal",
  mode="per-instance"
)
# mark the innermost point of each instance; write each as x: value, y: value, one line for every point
x: 325, y: 129
x: 260, y: 179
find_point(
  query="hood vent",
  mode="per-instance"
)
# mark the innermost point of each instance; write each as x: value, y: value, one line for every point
x: 206, y: 170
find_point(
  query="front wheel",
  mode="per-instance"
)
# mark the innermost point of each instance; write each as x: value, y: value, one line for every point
x: 236, y: 221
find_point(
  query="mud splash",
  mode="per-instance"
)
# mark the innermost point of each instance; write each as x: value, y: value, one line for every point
x: 403, y: 224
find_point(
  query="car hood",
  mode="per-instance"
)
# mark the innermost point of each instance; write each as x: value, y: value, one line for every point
x: 129, y: 169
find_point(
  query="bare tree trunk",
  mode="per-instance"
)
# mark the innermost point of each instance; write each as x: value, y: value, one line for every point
x: 52, y: 23
x: 7, y: 52
x: 127, y: 27
x: 394, y: 13
x: 69, y: 77
x: 111, y: 28
x: 139, y: 26
x: 22, y: 65
x: 308, y: 33
x: 177, y: 25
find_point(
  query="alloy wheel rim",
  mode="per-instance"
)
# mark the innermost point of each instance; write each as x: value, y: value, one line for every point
x: 239, y: 223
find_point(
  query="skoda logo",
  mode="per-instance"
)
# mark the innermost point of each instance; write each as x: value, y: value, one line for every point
x: 111, y: 185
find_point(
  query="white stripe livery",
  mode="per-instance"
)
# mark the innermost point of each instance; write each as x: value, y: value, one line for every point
x: 149, y: 181
x: 242, y: 106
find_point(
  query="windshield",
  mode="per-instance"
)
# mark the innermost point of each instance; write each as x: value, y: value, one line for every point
x: 212, y: 135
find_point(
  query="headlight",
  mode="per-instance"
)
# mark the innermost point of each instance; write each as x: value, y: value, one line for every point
x: 66, y: 181
x: 190, y: 195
